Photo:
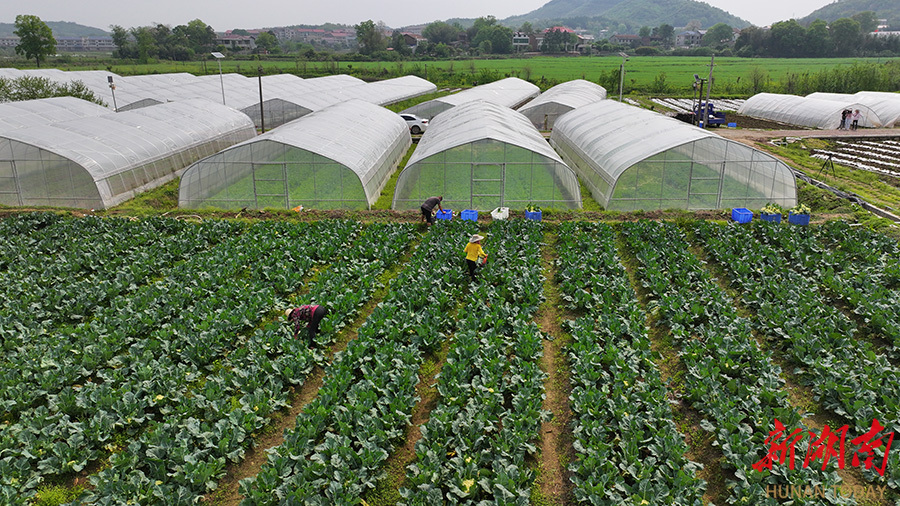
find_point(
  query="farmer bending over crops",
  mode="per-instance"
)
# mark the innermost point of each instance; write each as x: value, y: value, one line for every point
x: 311, y: 314
x: 428, y: 208
x: 473, y: 253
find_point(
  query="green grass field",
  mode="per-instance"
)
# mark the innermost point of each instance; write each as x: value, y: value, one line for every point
x: 730, y: 73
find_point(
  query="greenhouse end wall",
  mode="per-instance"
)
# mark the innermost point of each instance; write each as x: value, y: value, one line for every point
x: 337, y: 158
x: 485, y: 175
x: 270, y: 174
x: 31, y: 176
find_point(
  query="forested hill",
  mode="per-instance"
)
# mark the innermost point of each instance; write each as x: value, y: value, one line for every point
x: 632, y: 12
x: 60, y: 29
x: 883, y: 9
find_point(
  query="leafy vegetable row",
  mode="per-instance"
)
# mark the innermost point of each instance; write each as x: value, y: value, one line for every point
x: 180, y: 458
x: 474, y: 447
x: 729, y: 379
x: 80, y: 254
x: 59, y: 277
x: 857, y: 266
x: 130, y: 369
x: 847, y: 375
x: 628, y: 449
x: 341, y: 439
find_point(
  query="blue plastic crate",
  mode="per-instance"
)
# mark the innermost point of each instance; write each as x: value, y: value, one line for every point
x: 469, y: 214
x: 447, y: 214
x: 741, y: 215
x: 533, y: 215
x: 774, y: 218
x: 798, y: 219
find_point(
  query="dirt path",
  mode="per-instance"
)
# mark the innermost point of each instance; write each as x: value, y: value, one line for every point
x: 227, y: 493
x: 556, y: 434
x: 751, y: 136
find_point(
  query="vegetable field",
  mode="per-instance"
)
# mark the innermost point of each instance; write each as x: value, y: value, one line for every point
x: 144, y: 358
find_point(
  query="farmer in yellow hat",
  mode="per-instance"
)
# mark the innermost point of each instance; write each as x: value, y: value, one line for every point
x: 474, y: 252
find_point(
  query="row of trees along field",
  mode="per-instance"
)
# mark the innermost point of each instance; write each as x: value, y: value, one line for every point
x: 842, y: 37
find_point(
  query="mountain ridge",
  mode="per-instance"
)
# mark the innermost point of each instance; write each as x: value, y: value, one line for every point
x: 60, y: 29
x: 633, y: 12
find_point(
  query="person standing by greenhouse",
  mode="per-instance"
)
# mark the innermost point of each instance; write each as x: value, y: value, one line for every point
x: 854, y: 117
x: 312, y: 314
x: 428, y: 208
x: 474, y: 252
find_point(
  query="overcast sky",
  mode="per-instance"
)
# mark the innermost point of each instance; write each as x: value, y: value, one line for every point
x: 226, y: 14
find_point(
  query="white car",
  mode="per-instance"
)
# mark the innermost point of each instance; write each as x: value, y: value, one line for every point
x: 416, y: 124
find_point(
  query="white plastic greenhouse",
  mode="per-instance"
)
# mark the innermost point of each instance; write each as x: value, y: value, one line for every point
x: 511, y: 92
x: 805, y: 111
x: 885, y: 104
x: 35, y: 113
x: 285, y: 97
x: 482, y: 156
x: 632, y: 158
x: 100, y: 161
x: 337, y: 158
x: 561, y: 99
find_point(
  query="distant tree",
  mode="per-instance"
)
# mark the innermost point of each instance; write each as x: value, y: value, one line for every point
x: 34, y: 87
x: 499, y: 36
x: 240, y: 31
x: 845, y: 34
x: 644, y: 31
x: 527, y: 29
x: 370, y: 37
x: 145, y: 42
x: 122, y: 39
x: 440, y: 32
x: 398, y: 42
x: 751, y: 42
x: 267, y: 42
x: 441, y: 50
x: 199, y: 36
x: 786, y: 39
x: 479, y: 24
x: 693, y: 25
x: 557, y: 41
x: 35, y: 38
x: 818, y: 39
x: 868, y: 21
x: 666, y: 32
x: 718, y: 36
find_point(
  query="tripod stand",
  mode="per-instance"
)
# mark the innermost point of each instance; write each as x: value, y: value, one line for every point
x: 829, y: 164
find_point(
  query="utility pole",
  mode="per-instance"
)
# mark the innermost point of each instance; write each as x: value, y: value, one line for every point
x: 262, y: 116
x: 709, y: 83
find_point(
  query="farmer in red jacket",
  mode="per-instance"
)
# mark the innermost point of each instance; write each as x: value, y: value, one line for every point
x: 312, y: 314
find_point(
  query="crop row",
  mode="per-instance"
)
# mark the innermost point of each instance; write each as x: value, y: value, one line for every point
x: 179, y: 459
x: 37, y: 363
x: 62, y: 272
x: 474, y: 446
x: 848, y: 376
x: 340, y: 441
x: 129, y: 369
x: 627, y: 446
x: 728, y: 378
x: 857, y: 266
